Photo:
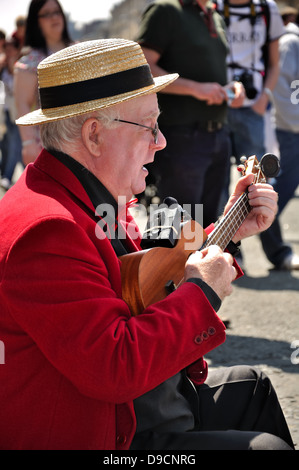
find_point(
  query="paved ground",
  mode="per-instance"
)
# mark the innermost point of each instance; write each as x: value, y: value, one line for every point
x: 264, y: 313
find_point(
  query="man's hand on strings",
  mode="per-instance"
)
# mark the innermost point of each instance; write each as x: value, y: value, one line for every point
x: 263, y: 201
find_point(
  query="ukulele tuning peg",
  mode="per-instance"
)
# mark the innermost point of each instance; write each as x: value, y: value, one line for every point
x: 243, y: 159
x: 270, y: 165
x: 241, y: 168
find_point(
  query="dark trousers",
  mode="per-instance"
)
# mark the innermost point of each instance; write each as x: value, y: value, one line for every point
x: 237, y: 409
x: 192, y: 169
x: 275, y: 248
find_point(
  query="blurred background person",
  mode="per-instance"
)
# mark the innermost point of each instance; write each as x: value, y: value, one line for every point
x: 46, y: 33
x: 289, y: 15
x: 12, y: 153
x: 19, y: 33
x: 286, y: 110
x: 252, y: 29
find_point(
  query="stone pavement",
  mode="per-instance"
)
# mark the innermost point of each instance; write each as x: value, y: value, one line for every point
x: 264, y: 311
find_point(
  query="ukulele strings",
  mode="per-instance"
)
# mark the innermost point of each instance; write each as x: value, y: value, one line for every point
x: 233, y: 219
x: 229, y: 225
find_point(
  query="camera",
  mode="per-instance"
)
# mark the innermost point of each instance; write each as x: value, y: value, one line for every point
x: 247, y: 79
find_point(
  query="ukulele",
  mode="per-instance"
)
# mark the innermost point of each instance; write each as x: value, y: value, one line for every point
x: 150, y: 275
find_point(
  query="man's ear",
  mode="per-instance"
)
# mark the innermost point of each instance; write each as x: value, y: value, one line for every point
x: 91, y: 136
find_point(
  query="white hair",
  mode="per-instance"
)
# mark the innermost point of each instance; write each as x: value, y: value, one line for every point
x: 65, y: 134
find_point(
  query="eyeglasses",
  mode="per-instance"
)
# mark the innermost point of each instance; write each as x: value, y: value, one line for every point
x: 50, y: 14
x: 155, y: 130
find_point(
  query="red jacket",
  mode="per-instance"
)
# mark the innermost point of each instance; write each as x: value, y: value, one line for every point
x: 75, y: 358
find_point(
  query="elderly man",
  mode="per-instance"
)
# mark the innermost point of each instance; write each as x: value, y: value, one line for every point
x: 80, y: 371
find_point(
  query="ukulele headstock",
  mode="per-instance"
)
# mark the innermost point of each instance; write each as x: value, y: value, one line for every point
x: 268, y: 167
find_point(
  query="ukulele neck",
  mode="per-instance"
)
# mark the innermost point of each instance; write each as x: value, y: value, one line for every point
x: 228, y: 226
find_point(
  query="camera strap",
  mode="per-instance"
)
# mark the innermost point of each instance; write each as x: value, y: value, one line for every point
x: 226, y: 13
x: 252, y: 23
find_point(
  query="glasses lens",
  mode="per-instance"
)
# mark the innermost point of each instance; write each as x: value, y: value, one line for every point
x: 155, y: 130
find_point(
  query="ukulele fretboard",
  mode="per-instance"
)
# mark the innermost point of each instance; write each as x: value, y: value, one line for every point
x: 228, y: 226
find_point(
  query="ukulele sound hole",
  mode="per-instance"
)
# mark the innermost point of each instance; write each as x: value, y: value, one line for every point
x: 170, y: 287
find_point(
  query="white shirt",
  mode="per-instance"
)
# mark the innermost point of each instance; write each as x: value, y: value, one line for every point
x: 246, y: 40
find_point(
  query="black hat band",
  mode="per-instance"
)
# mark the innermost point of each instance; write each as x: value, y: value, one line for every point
x: 96, y: 88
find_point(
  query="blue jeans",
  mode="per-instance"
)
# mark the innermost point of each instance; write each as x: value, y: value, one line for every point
x: 246, y: 129
x: 192, y: 168
x: 286, y: 184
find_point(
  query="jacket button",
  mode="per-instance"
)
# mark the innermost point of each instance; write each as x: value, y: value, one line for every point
x: 197, y: 339
x: 211, y: 331
x: 121, y: 439
x: 204, y: 335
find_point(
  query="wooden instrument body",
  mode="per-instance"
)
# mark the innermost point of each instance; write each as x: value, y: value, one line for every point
x: 150, y: 275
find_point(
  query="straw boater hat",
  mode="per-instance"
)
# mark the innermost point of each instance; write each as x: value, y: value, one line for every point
x: 92, y: 75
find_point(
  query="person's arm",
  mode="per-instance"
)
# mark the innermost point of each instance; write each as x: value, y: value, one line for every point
x: 271, y: 78
x: 263, y: 201
x: 212, y: 92
x: 25, y: 89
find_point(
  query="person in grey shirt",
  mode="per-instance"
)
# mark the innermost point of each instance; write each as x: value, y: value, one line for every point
x: 286, y: 99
